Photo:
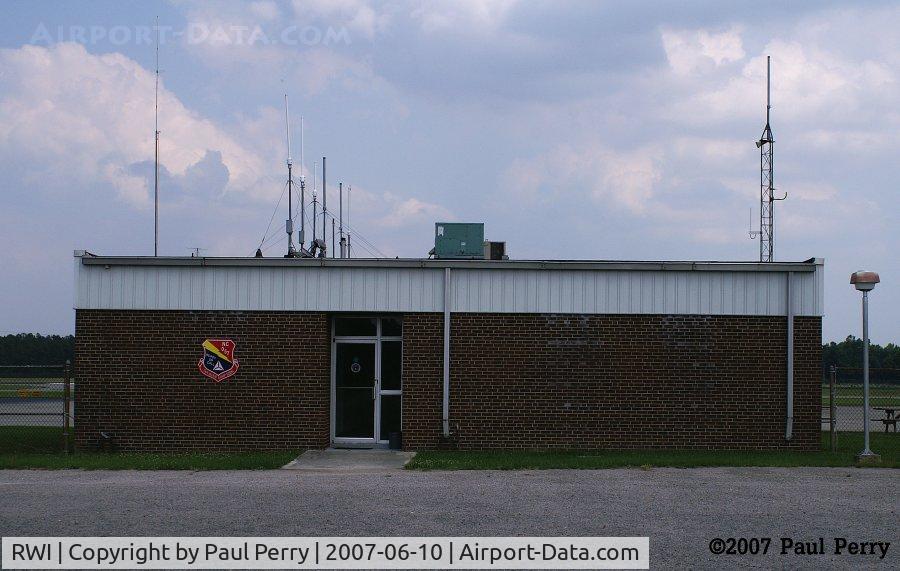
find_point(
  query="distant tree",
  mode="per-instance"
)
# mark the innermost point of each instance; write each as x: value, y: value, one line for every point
x: 849, y: 353
x: 36, y: 349
x: 847, y: 356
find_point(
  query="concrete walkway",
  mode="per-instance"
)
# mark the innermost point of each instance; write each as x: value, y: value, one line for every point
x: 349, y: 461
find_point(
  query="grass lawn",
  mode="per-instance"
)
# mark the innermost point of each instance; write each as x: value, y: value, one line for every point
x: 41, y: 448
x: 849, y: 444
x: 30, y: 439
x: 37, y: 387
x: 138, y: 461
x: 852, y: 395
x: 31, y: 393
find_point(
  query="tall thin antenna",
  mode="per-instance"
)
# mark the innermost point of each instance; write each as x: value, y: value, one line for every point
x: 332, y: 236
x: 766, y: 146
x: 315, y: 215
x: 768, y: 87
x: 349, y: 188
x: 156, y: 152
x: 341, y: 218
x: 289, y: 223
x: 324, y: 198
x: 312, y: 243
x: 302, y: 237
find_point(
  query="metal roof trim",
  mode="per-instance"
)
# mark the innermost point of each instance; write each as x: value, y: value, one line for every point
x: 608, y: 265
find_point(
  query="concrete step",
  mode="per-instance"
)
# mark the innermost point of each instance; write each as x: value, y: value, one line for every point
x: 350, y: 461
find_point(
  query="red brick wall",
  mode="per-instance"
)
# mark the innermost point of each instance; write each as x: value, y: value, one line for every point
x: 518, y: 381
x: 137, y: 379
x: 611, y: 381
x: 423, y: 365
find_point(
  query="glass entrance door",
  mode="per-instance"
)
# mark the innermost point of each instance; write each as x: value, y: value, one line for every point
x: 367, y: 386
x: 355, y: 390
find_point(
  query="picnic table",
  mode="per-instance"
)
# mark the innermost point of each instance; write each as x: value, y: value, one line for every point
x: 890, y: 416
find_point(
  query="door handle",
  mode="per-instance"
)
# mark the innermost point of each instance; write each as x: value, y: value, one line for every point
x: 374, y: 389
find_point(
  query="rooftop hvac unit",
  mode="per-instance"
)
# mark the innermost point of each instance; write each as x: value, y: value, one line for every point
x: 459, y: 240
x: 495, y: 250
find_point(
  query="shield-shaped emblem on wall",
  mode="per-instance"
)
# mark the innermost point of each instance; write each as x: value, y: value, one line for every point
x: 218, y: 362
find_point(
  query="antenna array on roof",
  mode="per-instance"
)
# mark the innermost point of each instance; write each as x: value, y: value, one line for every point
x: 339, y: 228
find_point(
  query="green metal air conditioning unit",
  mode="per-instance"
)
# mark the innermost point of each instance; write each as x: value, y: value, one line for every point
x: 459, y: 240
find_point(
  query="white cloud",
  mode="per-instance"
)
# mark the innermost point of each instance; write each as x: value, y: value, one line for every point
x: 809, y: 83
x: 688, y: 51
x: 130, y: 188
x: 464, y: 16
x: 409, y: 210
x: 626, y: 179
x: 265, y: 10
x: 386, y: 209
x: 711, y: 150
x: 92, y: 116
x: 358, y: 16
x: 813, y: 191
x: 867, y: 141
x: 309, y: 48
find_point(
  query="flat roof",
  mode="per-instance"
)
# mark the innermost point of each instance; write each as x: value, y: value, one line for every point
x: 809, y: 265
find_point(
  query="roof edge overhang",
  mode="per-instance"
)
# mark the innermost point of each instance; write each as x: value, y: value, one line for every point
x: 809, y: 265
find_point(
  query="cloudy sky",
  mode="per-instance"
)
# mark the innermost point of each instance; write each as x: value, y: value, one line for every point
x: 600, y: 130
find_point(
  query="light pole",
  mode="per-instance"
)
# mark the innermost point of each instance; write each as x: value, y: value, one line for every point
x: 865, y: 282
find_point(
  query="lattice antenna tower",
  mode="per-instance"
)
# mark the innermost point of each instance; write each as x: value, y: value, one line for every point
x: 767, y: 199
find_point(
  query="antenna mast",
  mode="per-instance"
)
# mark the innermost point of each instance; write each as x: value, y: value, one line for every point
x: 312, y: 246
x: 767, y: 199
x: 302, y: 237
x: 289, y: 223
x: 156, y: 152
x: 343, y: 241
x: 324, y: 199
x: 349, y: 189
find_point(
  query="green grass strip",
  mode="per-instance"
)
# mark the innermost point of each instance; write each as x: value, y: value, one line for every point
x: 41, y: 447
x: 849, y: 444
x: 146, y: 461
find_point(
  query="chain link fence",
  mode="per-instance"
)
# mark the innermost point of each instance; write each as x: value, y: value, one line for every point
x: 843, y: 411
x: 36, y: 408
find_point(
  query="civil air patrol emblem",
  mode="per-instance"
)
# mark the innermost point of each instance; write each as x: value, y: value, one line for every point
x: 218, y: 362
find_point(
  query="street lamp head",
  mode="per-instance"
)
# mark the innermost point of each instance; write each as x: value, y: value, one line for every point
x: 864, y: 281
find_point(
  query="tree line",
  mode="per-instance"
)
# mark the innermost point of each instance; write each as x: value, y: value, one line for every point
x: 37, y: 349
x: 849, y: 354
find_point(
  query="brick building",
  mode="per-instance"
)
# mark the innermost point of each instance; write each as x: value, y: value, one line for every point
x: 272, y: 353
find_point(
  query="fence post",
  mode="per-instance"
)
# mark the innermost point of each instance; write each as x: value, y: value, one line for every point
x: 833, y: 409
x: 67, y: 395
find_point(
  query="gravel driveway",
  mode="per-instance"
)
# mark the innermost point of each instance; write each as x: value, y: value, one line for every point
x: 681, y: 510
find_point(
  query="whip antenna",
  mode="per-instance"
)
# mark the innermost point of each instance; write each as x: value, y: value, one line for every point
x: 302, y: 237
x: 289, y: 223
x: 156, y: 152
